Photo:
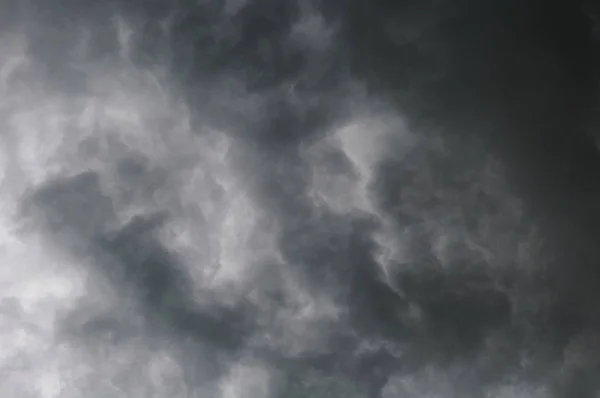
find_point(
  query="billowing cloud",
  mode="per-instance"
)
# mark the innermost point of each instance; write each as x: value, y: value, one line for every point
x: 260, y: 199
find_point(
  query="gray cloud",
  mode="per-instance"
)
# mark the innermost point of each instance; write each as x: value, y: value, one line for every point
x: 263, y: 199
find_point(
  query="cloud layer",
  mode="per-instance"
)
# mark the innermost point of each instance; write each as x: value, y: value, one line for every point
x: 259, y: 199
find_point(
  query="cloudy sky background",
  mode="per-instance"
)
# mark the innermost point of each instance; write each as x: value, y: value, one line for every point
x: 259, y: 199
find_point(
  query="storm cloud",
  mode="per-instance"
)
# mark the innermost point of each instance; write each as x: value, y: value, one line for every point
x: 260, y: 199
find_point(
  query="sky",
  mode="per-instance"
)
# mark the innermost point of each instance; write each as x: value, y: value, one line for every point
x: 298, y: 199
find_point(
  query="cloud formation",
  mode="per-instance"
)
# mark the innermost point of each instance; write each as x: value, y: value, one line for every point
x: 260, y: 199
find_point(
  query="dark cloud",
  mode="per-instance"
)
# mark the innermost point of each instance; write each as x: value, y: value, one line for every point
x: 509, y: 81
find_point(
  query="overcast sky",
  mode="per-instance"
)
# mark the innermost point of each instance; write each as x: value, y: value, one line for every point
x: 298, y: 198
